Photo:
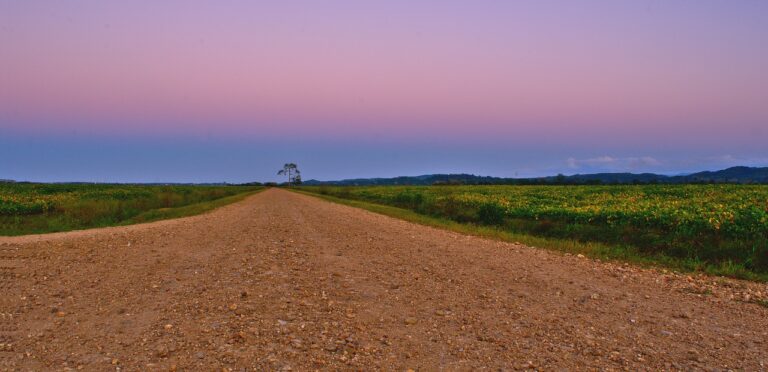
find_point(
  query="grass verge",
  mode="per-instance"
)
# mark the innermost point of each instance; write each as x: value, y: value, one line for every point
x: 187, y: 210
x: 85, y: 214
x: 602, y: 251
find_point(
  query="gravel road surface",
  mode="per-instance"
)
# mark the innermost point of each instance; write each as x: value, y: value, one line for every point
x: 285, y: 281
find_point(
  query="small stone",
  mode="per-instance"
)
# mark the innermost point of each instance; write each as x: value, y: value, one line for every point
x: 161, y: 351
x: 410, y: 320
x: 200, y: 355
x: 580, y: 255
x: 682, y: 315
x: 441, y: 312
x: 60, y: 314
x: 233, y: 307
x: 595, y: 296
x: 297, y: 343
x: 666, y: 333
x: 168, y: 327
x: 115, y: 361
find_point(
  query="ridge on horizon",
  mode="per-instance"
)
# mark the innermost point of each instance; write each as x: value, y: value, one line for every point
x: 736, y: 174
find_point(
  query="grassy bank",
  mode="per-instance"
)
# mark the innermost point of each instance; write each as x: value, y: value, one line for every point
x: 42, y: 208
x: 600, y: 240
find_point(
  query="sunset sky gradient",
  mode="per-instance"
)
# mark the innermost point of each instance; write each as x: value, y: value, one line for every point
x: 203, y: 91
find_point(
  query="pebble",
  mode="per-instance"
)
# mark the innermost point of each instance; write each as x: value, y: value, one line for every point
x: 297, y: 343
x: 161, y: 351
x: 410, y: 320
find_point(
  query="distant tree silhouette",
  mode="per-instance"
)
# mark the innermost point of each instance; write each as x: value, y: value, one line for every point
x: 292, y: 171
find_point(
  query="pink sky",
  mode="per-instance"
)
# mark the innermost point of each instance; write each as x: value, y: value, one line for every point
x: 480, y: 70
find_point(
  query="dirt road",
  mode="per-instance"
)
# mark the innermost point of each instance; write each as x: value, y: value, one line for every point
x: 287, y: 281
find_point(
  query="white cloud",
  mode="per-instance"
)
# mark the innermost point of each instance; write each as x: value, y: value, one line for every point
x: 717, y: 162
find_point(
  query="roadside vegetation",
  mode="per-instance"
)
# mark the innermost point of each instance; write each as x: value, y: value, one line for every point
x: 719, y: 229
x: 30, y: 208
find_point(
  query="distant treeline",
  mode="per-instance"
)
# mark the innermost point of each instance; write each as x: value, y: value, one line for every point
x: 734, y: 175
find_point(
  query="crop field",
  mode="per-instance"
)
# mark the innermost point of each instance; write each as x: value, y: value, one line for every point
x: 721, y: 228
x: 27, y: 208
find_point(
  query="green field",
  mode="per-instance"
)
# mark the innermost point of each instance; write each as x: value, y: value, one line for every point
x: 722, y: 229
x: 29, y: 208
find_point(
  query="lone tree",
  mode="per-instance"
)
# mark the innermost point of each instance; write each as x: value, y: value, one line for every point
x: 292, y: 171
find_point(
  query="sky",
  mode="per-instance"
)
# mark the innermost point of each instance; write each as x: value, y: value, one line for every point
x: 228, y: 91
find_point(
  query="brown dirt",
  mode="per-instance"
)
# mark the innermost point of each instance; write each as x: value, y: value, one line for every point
x: 287, y: 281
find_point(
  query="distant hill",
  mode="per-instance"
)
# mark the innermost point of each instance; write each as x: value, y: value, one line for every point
x: 743, y: 175
x: 732, y: 175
